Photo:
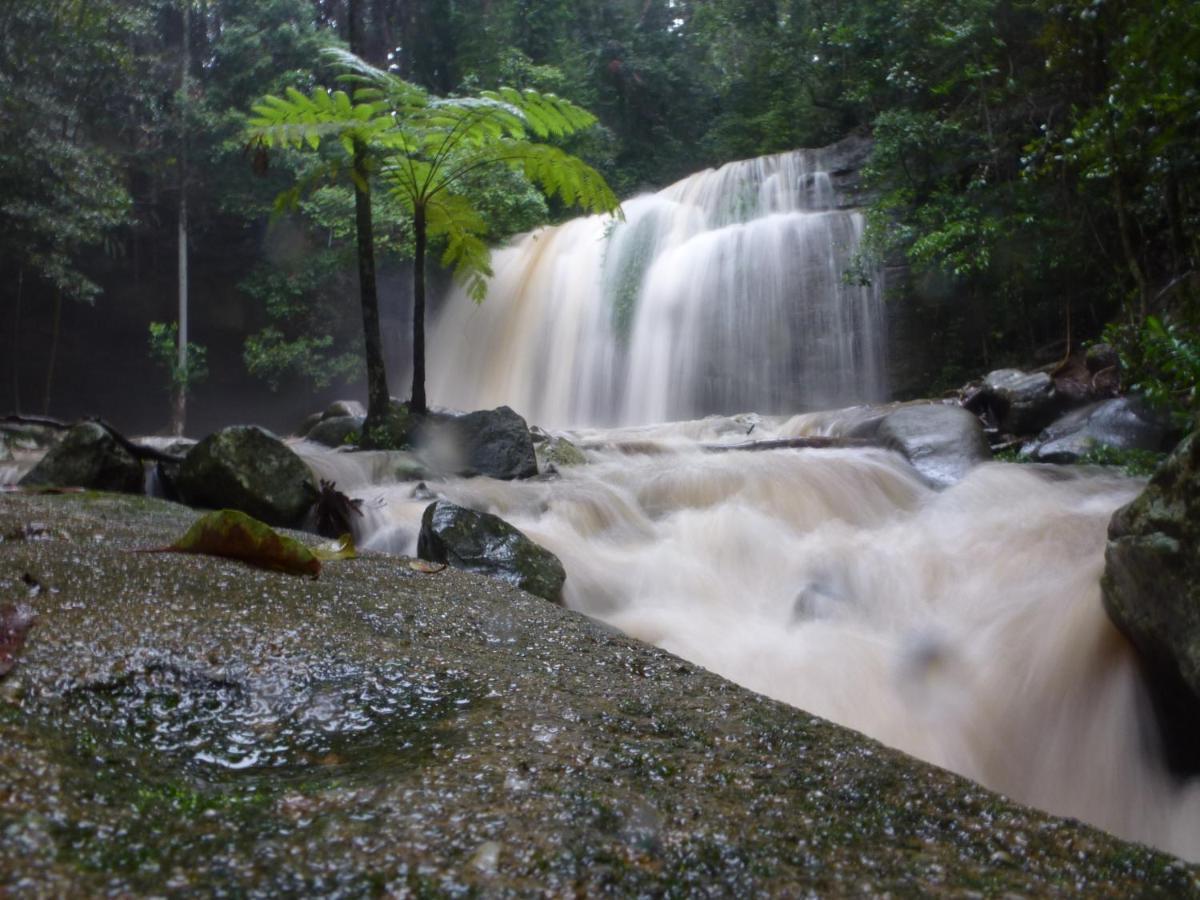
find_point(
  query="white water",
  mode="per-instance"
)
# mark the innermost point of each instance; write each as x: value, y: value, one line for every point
x: 964, y: 627
x: 724, y: 292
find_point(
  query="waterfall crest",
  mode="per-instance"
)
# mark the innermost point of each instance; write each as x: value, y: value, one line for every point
x: 724, y: 292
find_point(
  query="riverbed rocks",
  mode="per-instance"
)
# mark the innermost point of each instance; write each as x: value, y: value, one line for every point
x: 382, y: 731
x: 1151, y: 590
x: 487, y: 545
x: 1123, y: 423
x: 247, y: 468
x: 942, y: 442
x: 90, y: 457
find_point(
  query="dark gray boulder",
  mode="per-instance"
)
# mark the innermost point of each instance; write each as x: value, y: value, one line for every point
x: 1125, y: 423
x: 486, y: 544
x: 337, y: 431
x: 89, y: 456
x: 248, y: 468
x: 1151, y: 590
x: 942, y: 442
x: 1025, y: 402
x: 492, y: 442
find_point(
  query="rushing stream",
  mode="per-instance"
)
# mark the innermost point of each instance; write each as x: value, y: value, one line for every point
x: 962, y: 626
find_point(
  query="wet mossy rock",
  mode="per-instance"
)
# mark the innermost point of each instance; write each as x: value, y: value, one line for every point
x: 1151, y: 590
x: 337, y: 431
x: 559, y: 452
x: 487, y: 545
x: 90, y: 457
x: 248, y: 469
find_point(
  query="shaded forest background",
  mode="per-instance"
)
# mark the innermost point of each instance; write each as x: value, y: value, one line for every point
x: 1035, y: 173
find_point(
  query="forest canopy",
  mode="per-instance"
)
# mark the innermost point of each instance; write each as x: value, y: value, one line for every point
x: 1035, y: 172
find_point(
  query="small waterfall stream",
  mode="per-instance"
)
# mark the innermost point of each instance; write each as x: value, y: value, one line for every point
x: 725, y: 292
x: 962, y: 626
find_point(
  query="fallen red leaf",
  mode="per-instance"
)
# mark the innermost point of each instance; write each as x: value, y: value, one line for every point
x: 15, y: 622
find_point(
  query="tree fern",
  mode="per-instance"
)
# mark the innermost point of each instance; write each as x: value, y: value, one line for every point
x: 424, y: 147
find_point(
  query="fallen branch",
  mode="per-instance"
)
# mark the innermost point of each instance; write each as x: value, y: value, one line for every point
x: 800, y: 443
x: 137, y: 451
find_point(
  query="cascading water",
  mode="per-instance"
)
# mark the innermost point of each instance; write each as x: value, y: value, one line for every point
x: 963, y: 626
x: 725, y: 292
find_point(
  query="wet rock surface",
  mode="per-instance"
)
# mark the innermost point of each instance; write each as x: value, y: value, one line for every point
x: 247, y: 468
x: 1125, y: 423
x: 1151, y: 592
x: 942, y: 442
x: 183, y: 725
x: 89, y: 456
x: 483, y: 543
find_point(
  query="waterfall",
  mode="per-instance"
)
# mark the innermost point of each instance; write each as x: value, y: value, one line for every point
x: 725, y: 292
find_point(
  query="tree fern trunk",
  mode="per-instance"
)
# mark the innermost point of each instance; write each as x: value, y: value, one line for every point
x: 377, y: 388
x: 53, y: 352
x: 417, y: 404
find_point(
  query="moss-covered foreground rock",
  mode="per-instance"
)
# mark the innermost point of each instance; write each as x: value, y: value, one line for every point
x: 188, y: 725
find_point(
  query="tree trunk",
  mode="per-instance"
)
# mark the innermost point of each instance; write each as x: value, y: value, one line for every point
x: 180, y: 385
x: 53, y: 352
x: 378, y: 397
x: 417, y: 404
x: 16, y: 333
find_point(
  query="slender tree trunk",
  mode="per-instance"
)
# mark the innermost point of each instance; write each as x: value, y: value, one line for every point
x: 378, y: 397
x: 417, y: 404
x: 53, y: 352
x: 16, y: 349
x: 179, y: 388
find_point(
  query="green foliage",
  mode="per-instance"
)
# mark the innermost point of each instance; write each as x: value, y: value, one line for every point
x: 425, y: 149
x: 1135, y: 463
x: 164, y: 350
x: 1161, y: 360
x: 61, y: 191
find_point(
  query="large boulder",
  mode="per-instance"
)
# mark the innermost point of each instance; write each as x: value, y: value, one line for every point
x: 1027, y: 401
x: 1151, y: 590
x: 942, y: 442
x: 486, y: 544
x: 1125, y: 423
x: 89, y: 456
x: 248, y: 468
x: 337, y: 431
x: 493, y: 442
